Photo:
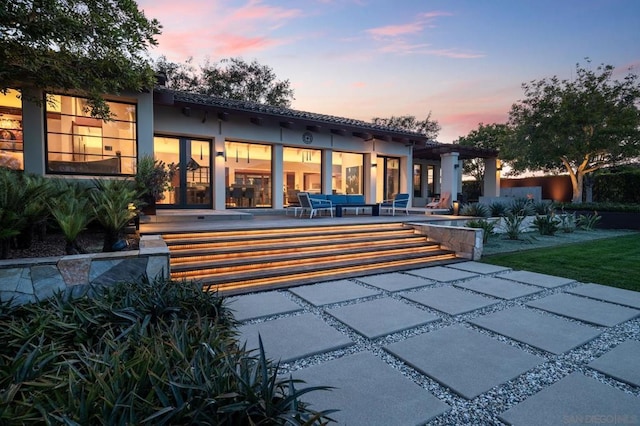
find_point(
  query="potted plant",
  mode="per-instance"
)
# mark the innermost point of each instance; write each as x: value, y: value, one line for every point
x: 153, y: 178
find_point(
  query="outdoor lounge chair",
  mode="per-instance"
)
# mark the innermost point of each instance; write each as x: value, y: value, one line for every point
x: 314, y: 205
x: 439, y: 205
x: 399, y: 202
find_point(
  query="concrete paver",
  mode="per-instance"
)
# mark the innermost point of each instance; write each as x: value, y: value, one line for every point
x: 442, y: 274
x: 478, y: 268
x: 534, y: 278
x: 464, y: 360
x: 576, y: 399
x: 260, y: 305
x: 368, y: 392
x: 332, y: 292
x: 290, y: 338
x: 395, y: 281
x: 583, y: 309
x: 608, y: 294
x: 380, y: 317
x: 621, y: 363
x: 498, y: 287
x: 450, y: 300
x: 545, y: 332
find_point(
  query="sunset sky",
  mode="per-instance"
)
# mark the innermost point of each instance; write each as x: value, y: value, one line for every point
x: 462, y: 60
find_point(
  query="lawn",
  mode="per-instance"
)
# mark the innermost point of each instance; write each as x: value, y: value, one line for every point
x: 612, y: 261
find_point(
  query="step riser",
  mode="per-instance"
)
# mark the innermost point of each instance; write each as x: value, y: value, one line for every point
x: 222, y: 242
x: 203, y: 255
x: 288, y: 268
x: 238, y: 261
x: 239, y: 286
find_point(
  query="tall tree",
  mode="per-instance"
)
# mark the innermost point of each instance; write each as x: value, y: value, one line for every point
x: 90, y: 47
x: 180, y: 76
x: 578, y: 125
x: 427, y: 127
x: 489, y: 136
x: 231, y: 78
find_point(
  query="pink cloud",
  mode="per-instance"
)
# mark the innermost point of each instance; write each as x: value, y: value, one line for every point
x: 236, y: 45
x: 395, y: 30
x: 359, y: 84
x: 188, y: 29
x: 254, y: 10
x: 461, y: 124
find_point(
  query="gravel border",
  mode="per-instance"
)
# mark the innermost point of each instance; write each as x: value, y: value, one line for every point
x: 485, y: 408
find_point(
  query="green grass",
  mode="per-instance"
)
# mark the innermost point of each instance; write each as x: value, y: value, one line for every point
x: 612, y: 261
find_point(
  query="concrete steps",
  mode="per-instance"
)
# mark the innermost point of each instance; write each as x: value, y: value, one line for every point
x: 239, y: 261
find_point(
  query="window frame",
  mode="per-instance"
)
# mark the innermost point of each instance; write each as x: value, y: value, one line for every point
x: 88, y: 119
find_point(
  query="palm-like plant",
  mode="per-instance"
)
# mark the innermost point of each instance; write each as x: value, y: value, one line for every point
x: 12, y: 198
x: 112, y: 201
x: 72, y: 211
x: 37, y: 191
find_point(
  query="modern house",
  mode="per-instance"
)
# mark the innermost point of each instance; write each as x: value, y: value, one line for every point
x: 230, y: 154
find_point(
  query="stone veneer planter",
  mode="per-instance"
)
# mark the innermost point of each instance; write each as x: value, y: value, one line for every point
x: 32, y: 280
x: 466, y: 242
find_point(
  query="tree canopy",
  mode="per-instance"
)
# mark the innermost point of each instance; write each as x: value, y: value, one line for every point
x: 427, y: 127
x: 90, y: 47
x: 231, y: 78
x: 489, y: 136
x: 578, y: 125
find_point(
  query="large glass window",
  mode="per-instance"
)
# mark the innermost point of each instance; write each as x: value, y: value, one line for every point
x: 79, y: 143
x: 248, y: 175
x: 347, y: 173
x: 302, y: 172
x: 11, y: 148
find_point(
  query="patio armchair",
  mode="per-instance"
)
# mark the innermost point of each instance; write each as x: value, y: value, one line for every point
x: 439, y: 205
x: 399, y: 202
x: 314, y: 204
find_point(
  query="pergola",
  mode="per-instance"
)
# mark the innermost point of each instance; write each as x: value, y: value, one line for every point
x: 450, y: 156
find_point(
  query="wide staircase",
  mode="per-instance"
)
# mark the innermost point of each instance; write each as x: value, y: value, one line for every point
x: 239, y: 261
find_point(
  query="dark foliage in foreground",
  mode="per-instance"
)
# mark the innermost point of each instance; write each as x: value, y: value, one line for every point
x: 138, y: 353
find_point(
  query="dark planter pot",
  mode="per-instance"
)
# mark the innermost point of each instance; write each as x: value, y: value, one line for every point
x: 615, y: 220
x: 150, y: 208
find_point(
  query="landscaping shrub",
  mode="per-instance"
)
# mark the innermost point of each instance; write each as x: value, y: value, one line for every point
x: 487, y: 227
x: 547, y: 224
x: 513, y: 226
x: 619, y: 187
x: 72, y: 211
x: 113, y: 203
x: 588, y: 222
x: 521, y: 207
x: 138, y: 353
x: 542, y: 207
x: 568, y: 222
x: 497, y: 209
x: 475, y: 209
x: 603, y: 207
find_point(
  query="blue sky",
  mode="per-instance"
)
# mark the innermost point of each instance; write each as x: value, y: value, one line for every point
x: 462, y: 60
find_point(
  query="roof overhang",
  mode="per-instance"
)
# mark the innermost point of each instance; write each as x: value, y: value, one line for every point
x: 464, y: 152
x: 224, y: 109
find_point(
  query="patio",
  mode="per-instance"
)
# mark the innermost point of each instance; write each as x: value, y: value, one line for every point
x: 467, y: 343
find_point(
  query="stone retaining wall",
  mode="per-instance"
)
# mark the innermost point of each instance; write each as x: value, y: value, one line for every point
x: 31, y: 280
x: 466, y: 242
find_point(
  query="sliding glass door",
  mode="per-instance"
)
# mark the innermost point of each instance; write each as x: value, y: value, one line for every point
x: 191, y: 186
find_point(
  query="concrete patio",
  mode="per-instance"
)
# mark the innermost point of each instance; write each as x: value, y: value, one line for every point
x: 468, y: 343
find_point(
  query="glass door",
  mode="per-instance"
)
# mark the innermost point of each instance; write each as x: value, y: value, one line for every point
x: 388, y: 182
x: 191, y: 185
